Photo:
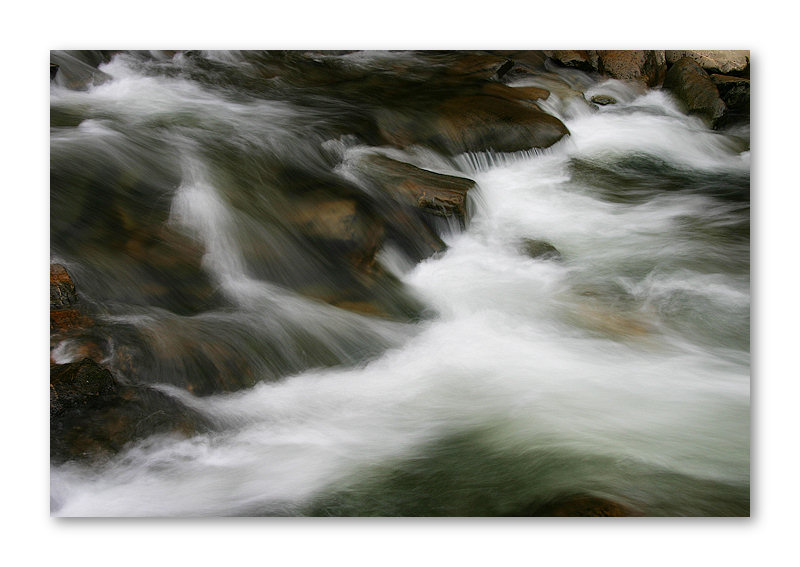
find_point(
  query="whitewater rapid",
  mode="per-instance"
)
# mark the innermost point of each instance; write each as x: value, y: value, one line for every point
x: 622, y: 370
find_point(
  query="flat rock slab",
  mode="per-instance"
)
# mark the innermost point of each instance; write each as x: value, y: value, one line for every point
x: 433, y: 193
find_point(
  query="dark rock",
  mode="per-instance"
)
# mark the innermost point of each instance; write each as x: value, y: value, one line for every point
x: 692, y: 86
x: 648, y: 67
x: 539, y: 249
x: 577, y: 59
x: 603, y: 100
x: 62, y: 288
x: 734, y: 91
x: 79, y: 385
x: 53, y: 71
x: 92, y: 415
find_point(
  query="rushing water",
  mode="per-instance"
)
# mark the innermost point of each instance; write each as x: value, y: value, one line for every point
x: 498, y: 383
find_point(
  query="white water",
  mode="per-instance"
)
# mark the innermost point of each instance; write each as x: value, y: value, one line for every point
x: 580, y: 363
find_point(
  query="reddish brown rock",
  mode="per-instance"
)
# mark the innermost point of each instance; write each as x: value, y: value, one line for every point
x: 65, y: 313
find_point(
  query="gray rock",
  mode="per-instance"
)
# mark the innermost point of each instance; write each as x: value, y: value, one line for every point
x: 603, y: 100
x: 695, y: 89
x: 539, y: 249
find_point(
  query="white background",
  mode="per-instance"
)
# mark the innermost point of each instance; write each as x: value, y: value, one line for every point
x: 31, y: 537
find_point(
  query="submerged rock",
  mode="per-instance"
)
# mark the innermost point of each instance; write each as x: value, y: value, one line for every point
x: 648, y: 67
x: 539, y: 249
x: 73, y: 73
x: 341, y: 225
x: 692, y: 85
x: 92, y: 415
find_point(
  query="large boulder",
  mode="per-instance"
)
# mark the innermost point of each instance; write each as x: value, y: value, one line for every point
x: 647, y: 67
x: 725, y: 62
x: 695, y: 89
x: 473, y: 123
x: 94, y: 416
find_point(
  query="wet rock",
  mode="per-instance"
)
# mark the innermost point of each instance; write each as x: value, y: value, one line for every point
x: 474, y: 123
x: 725, y: 62
x: 539, y: 249
x: 433, y: 193
x: 735, y: 93
x: 695, y: 89
x: 65, y: 313
x: 94, y: 416
x: 576, y: 59
x: 479, y: 123
x: 603, y: 100
x: 62, y: 288
x: 53, y: 71
x: 73, y: 73
x: 339, y: 225
x: 647, y: 67
x: 525, y: 95
x: 480, y: 65
x: 417, y: 204
x: 79, y: 385
x: 526, y: 63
